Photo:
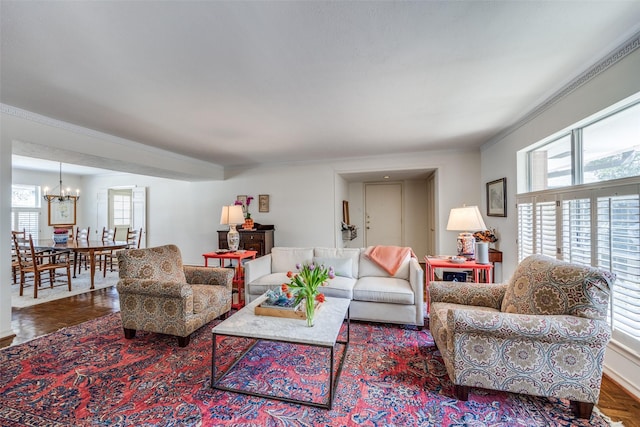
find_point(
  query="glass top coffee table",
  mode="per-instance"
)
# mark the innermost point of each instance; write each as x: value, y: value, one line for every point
x: 329, y: 319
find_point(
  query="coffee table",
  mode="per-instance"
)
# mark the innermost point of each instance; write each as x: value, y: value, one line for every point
x: 245, y: 324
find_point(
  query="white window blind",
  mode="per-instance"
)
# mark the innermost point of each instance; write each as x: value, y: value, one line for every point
x: 576, y: 231
x: 525, y: 230
x: 27, y: 221
x: 546, y: 228
x: 598, y: 226
x: 619, y: 251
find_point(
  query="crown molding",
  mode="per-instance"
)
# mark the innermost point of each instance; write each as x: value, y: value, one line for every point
x: 615, y: 56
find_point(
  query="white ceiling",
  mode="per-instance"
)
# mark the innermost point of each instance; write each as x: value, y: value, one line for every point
x: 244, y: 83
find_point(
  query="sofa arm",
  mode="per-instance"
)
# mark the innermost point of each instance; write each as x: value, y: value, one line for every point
x: 416, y: 280
x: 154, y: 288
x: 542, y: 328
x: 198, y: 275
x: 473, y: 294
x: 257, y: 268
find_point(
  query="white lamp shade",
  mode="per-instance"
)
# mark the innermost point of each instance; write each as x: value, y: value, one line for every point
x: 466, y: 218
x: 232, y: 215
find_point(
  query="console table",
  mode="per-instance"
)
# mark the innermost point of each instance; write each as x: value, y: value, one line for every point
x: 260, y: 241
x: 238, y: 277
x: 434, y: 262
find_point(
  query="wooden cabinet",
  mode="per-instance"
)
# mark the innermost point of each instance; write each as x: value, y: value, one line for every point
x: 260, y: 241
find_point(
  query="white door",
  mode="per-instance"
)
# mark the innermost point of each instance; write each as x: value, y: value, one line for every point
x: 383, y: 214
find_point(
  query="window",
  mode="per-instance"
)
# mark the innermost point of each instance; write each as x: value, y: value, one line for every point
x: 120, y: 211
x: 25, y: 209
x: 584, y: 207
x: 604, y: 149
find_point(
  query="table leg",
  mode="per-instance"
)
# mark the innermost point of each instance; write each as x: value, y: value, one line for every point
x: 92, y: 263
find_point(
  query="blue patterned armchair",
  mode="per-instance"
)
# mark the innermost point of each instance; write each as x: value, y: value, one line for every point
x: 543, y: 333
x: 159, y: 294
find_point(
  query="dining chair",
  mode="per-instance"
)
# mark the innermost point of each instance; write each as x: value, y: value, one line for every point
x: 108, y: 235
x: 134, y: 237
x: 14, y: 256
x: 36, y: 263
x: 82, y: 235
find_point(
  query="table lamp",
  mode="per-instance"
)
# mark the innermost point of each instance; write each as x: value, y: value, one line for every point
x: 232, y: 216
x: 466, y: 219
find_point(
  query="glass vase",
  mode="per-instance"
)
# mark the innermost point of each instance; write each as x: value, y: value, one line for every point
x: 310, y: 309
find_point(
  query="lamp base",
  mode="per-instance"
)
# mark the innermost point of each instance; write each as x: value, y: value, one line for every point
x: 466, y: 245
x: 233, y: 238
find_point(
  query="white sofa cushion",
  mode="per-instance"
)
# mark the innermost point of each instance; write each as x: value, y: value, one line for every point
x: 339, y: 287
x: 285, y: 259
x: 341, y: 266
x: 383, y: 289
x: 352, y: 253
x: 369, y: 268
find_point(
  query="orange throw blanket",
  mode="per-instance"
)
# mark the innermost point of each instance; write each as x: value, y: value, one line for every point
x: 389, y: 258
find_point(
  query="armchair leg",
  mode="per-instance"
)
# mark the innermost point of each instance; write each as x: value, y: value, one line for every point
x: 129, y: 333
x: 184, y: 341
x: 461, y: 392
x: 581, y: 409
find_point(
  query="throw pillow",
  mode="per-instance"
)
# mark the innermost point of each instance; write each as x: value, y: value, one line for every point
x: 341, y: 266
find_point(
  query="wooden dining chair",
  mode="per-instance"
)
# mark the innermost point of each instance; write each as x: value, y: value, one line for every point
x: 21, y: 235
x: 82, y: 235
x: 134, y: 237
x: 32, y: 262
x: 106, y: 256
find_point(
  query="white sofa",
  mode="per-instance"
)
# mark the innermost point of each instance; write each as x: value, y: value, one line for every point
x: 375, y: 295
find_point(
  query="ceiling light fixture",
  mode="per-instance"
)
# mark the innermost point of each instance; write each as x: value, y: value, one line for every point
x: 63, y: 196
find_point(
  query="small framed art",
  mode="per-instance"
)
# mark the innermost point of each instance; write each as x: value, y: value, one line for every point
x: 263, y: 203
x: 497, y: 197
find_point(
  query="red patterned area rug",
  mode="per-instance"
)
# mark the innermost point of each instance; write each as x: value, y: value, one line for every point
x: 90, y: 375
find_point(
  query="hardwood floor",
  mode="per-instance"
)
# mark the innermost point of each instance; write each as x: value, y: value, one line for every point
x: 31, y: 322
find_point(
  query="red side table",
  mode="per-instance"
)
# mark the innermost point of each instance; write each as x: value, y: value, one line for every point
x: 238, y: 277
x: 438, y: 262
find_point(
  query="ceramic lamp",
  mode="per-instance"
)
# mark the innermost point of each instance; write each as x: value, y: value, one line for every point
x: 232, y: 216
x: 466, y: 219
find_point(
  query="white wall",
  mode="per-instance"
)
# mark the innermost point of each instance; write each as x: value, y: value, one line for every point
x: 499, y: 160
x: 305, y: 201
x: 5, y: 246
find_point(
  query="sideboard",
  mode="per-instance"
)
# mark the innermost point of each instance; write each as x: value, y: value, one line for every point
x: 260, y: 241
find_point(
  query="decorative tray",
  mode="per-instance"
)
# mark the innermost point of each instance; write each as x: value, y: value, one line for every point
x: 296, y: 312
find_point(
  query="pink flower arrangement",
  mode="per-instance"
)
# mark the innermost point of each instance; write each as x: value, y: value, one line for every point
x: 60, y: 231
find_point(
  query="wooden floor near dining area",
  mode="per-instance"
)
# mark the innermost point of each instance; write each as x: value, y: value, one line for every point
x: 31, y: 322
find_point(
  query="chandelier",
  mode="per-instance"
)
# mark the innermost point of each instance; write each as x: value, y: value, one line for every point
x: 63, y: 196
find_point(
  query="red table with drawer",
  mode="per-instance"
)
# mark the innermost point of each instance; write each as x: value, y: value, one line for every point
x: 238, y: 277
x: 444, y: 262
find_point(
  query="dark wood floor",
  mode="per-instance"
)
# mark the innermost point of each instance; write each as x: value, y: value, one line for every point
x: 31, y: 322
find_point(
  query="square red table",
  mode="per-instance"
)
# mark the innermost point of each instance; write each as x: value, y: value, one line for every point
x: 444, y: 262
x: 238, y: 277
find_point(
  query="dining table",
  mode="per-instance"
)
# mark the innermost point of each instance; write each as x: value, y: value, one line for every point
x: 88, y: 247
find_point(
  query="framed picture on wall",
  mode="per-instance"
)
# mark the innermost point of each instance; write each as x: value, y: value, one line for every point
x: 497, y: 197
x: 62, y: 213
x: 263, y: 203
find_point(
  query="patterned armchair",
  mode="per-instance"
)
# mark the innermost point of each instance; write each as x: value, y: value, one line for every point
x: 543, y: 333
x: 159, y: 294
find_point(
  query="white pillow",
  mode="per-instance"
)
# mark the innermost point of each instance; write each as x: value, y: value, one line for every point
x: 341, y: 266
x: 351, y: 253
x: 285, y: 259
